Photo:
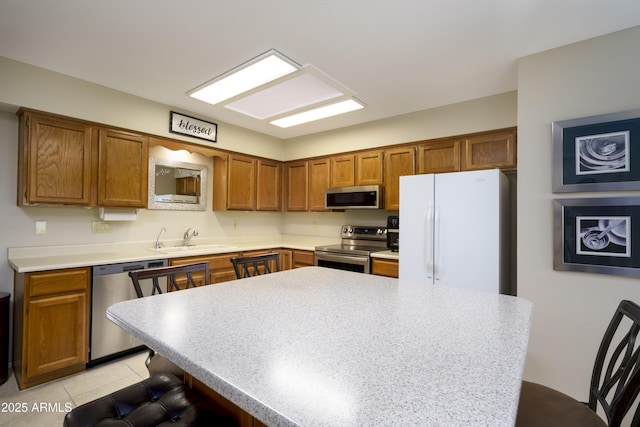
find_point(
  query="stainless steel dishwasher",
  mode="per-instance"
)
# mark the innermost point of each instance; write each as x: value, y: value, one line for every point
x: 111, y: 284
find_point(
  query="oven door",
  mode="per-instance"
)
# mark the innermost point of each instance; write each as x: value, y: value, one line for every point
x: 357, y: 263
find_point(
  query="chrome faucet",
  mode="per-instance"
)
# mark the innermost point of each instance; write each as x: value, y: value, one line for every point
x: 188, y: 235
x: 158, y: 244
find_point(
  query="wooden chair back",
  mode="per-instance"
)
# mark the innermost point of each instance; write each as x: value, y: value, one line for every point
x: 247, y: 266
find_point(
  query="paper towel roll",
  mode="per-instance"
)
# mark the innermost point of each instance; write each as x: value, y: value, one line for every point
x: 118, y: 214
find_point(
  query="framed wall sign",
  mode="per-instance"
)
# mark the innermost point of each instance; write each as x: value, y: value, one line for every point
x: 190, y: 126
x: 597, y: 235
x: 598, y: 153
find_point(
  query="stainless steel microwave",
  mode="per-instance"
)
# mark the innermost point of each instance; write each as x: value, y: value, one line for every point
x: 358, y: 197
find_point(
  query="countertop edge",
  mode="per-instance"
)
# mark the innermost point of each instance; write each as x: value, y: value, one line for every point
x: 27, y: 260
x: 32, y: 259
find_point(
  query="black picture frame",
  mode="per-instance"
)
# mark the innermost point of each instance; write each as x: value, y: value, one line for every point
x: 192, y: 126
x: 597, y: 153
x: 597, y: 235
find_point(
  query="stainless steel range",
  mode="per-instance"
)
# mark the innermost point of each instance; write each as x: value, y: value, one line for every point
x: 354, y: 252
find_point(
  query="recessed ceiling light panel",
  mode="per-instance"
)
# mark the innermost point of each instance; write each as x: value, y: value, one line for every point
x: 272, y: 86
x: 319, y: 113
x: 293, y: 94
x: 267, y: 67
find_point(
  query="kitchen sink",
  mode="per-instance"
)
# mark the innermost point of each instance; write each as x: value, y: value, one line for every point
x: 193, y: 248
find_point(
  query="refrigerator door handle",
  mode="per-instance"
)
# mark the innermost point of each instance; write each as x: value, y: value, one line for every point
x: 428, y: 242
x: 436, y: 244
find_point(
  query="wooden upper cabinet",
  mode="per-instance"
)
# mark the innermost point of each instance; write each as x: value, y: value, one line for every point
x: 122, y: 169
x: 319, y: 179
x: 490, y: 150
x: 66, y: 161
x: 440, y: 156
x: 397, y: 162
x: 246, y: 183
x: 369, y: 168
x: 268, y: 185
x: 297, y: 178
x: 54, y: 160
x: 241, y: 183
x: 342, y: 171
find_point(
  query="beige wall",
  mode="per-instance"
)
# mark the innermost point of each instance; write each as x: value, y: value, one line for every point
x: 27, y: 86
x: 488, y: 113
x: 571, y: 310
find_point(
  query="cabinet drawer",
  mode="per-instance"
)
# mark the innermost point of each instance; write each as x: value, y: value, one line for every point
x: 222, y: 262
x: 302, y: 258
x: 57, y: 281
x: 384, y: 267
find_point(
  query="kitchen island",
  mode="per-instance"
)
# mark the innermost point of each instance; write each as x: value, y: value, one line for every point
x: 317, y: 346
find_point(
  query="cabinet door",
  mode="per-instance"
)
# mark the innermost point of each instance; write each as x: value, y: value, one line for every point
x: 397, y: 162
x: 56, y: 333
x: 297, y: 186
x: 369, y: 168
x: 241, y: 189
x: 286, y: 259
x: 438, y: 157
x: 384, y: 267
x: 490, y: 150
x: 268, y: 185
x: 343, y: 170
x: 220, y: 267
x: 54, y: 161
x: 302, y: 258
x: 122, y: 169
x: 319, y: 178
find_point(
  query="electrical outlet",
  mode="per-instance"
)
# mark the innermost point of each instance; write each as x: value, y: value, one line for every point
x: 100, y: 227
x: 41, y: 227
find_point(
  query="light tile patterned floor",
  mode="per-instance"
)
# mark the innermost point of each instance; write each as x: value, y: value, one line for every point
x: 46, y: 405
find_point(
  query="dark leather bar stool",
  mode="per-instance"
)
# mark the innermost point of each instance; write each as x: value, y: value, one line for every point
x: 157, y: 401
x: 615, y: 383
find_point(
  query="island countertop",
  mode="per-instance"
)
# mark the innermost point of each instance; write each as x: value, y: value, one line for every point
x: 317, y: 346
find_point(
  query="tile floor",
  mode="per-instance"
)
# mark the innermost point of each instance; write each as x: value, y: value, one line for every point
x: 47, y: 404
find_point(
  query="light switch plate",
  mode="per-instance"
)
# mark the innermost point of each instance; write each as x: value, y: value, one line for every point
x: 41, y: 227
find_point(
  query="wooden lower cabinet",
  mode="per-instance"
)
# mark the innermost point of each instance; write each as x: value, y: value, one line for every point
x: 220, y: 267
x: 384, y: 267
x: 286, y: 259
x: 302, y: 258
x: 51, y: 324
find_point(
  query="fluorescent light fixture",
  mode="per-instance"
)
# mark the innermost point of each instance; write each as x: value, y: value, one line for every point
x: 267, y: 67
x: 304, y: 90
x: 318, y: 113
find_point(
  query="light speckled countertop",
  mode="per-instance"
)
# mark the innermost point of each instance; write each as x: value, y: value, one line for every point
x: 325, y: 347
x: 38, y: 258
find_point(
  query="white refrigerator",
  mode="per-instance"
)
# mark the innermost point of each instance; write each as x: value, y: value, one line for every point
x: 455, y: 230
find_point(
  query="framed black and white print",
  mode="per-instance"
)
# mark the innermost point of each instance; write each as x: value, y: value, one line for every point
x: 599, y: 153
x: 597, y: 235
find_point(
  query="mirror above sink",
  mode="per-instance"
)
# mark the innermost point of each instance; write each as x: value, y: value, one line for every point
x: 175, y: 185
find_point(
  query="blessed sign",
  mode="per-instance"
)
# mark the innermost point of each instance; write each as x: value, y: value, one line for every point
x: 191, y: 126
